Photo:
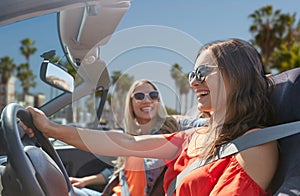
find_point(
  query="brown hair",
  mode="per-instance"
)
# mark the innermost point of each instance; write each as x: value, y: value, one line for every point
x: 248, y: 100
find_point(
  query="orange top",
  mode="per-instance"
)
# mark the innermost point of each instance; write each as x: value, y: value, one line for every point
x: 135, y: 176
x: 222, y: 177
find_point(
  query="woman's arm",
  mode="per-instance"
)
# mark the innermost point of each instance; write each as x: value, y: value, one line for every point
x: 260, y: 162
x: 109, y: 143
x: 87, y: 180
x: 100, y: 178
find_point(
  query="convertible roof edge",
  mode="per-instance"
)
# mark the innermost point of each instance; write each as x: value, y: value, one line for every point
x: 10, y: 13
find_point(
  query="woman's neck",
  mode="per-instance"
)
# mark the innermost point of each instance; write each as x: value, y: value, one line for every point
x: 217, y: 118
x: 148, y: 127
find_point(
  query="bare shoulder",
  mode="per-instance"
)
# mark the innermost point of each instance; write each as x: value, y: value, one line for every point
x: 260, y: 162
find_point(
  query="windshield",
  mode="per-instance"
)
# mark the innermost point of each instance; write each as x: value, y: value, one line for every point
x: 24, y: 85
x: 23, y: 57
x: 136, y: 50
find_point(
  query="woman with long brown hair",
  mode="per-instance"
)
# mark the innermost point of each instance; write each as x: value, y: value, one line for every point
x: 230, y: 83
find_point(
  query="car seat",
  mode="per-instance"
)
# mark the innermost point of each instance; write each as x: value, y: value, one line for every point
x: 286, y: 100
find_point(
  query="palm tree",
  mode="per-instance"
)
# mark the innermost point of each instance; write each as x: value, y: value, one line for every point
x: 287, y: 58
x: 270, y: 29
x: 175, y: 74
x: 24, y: 73
x: 184, y: 89
x: 27, y: 48
x: 26, y: 76
x: 7, y: 68
x: 297, y: 32
x: 115, y: 76
x: 263, y: 31
x: 286, y: 33
x: 122, y: 83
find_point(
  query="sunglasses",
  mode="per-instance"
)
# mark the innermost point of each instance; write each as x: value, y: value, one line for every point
x: 154, y: 95
x: 201, y: 72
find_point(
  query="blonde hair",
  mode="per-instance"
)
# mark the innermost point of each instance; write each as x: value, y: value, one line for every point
x: 130, y: 124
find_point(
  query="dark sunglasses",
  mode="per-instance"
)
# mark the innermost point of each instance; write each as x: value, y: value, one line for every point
x: 201, y: 72
x: 154, y: 95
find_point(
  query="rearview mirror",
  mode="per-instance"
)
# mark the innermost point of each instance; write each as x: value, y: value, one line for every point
x: 56, y: 76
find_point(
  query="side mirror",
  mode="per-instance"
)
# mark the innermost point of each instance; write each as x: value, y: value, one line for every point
x: 56, y: 76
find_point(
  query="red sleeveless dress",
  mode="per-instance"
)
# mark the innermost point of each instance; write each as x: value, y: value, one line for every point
x: 222, y: 177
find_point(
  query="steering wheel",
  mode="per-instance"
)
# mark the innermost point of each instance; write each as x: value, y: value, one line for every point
x: 39, y: 171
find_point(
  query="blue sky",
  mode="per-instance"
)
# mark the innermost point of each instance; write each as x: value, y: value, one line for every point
x: 205, y: 20
x: 202, y: 20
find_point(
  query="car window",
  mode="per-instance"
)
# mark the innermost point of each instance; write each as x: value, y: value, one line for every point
x: 81, y: 113
x: 32, y: 92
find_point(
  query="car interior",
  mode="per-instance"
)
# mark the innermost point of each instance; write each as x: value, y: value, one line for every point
x: 80, y: 41
x: 286, y: 98
x: 37, y: 167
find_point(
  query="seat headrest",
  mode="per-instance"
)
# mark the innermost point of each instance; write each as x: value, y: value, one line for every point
x: 286, y: 101
x: 286, y: 96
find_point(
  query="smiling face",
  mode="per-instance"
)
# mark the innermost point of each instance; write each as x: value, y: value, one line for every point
x: 209, y: 87
x: 147, y: 109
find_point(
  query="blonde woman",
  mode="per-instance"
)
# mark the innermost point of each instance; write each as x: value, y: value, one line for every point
x: 144, y: 113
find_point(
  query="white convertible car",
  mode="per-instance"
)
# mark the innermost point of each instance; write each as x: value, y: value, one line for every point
x: 34, y: 166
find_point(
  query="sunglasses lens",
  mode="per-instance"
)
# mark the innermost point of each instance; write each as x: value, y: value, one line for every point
x: 191, y: 76
x: 153, y: 95
x: 199, y: 76
x: 139, y: 96
x: 201, y: 72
